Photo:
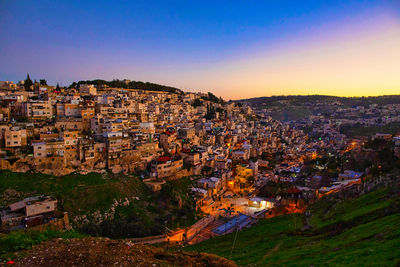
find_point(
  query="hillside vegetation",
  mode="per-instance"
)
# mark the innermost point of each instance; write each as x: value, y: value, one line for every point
x: 361, y: 231
x: 116, y: 206
x: 78, y: 194
x: 130, y: 85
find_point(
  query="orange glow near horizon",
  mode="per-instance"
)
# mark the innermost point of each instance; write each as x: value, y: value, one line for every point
x: 363, y: 60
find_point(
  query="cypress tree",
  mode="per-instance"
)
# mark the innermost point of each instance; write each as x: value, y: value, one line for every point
x: 28, y: 83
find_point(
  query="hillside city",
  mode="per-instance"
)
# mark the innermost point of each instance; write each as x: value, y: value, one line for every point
x: 199, y: 133
x: 242, y: 164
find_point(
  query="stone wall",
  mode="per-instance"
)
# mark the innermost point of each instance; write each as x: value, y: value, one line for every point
x: 56, y: 224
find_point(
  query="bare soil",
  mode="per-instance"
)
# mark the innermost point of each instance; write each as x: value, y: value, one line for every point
x: 106, y: 252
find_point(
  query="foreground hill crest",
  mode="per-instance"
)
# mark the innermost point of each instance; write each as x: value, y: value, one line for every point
x: 106, y: 252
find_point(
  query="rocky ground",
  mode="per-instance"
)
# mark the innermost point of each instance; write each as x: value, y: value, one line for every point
x: 107, y: 252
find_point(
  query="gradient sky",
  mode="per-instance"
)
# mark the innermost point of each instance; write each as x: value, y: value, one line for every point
x: 235, y: 49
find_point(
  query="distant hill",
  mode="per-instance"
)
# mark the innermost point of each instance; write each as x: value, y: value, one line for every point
x: 130, y: 85
x: 357, y: 232
x: 301, y: 99
x: 295, y: 107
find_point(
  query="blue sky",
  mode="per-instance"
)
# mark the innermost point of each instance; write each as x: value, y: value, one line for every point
x: 176, y: 42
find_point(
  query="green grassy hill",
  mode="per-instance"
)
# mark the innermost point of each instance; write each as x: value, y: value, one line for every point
x: 363, y: 231
x: 78, y: 194
x: 91, y: 200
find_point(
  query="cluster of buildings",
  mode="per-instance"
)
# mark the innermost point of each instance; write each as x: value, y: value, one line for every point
x: 160, y: 135
x: 230, y: 150
x: 328, y: 117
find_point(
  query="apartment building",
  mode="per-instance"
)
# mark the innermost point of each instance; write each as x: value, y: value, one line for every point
x: 38, y: 109
x: 15, y: 137
x: 165, y: 166
x: 87, y: 89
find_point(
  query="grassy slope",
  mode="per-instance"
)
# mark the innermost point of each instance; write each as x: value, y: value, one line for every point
x: 84, y: 194
x: 364, y: 231
x: 78, y: 194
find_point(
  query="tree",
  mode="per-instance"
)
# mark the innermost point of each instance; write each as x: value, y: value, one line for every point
x: 58, y: 87
x: 35, y: 85
x: 73, y: 85
x: 210, y: 112
x: 197, y: 103
x: 43, y: 82
x: 28, y: 83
